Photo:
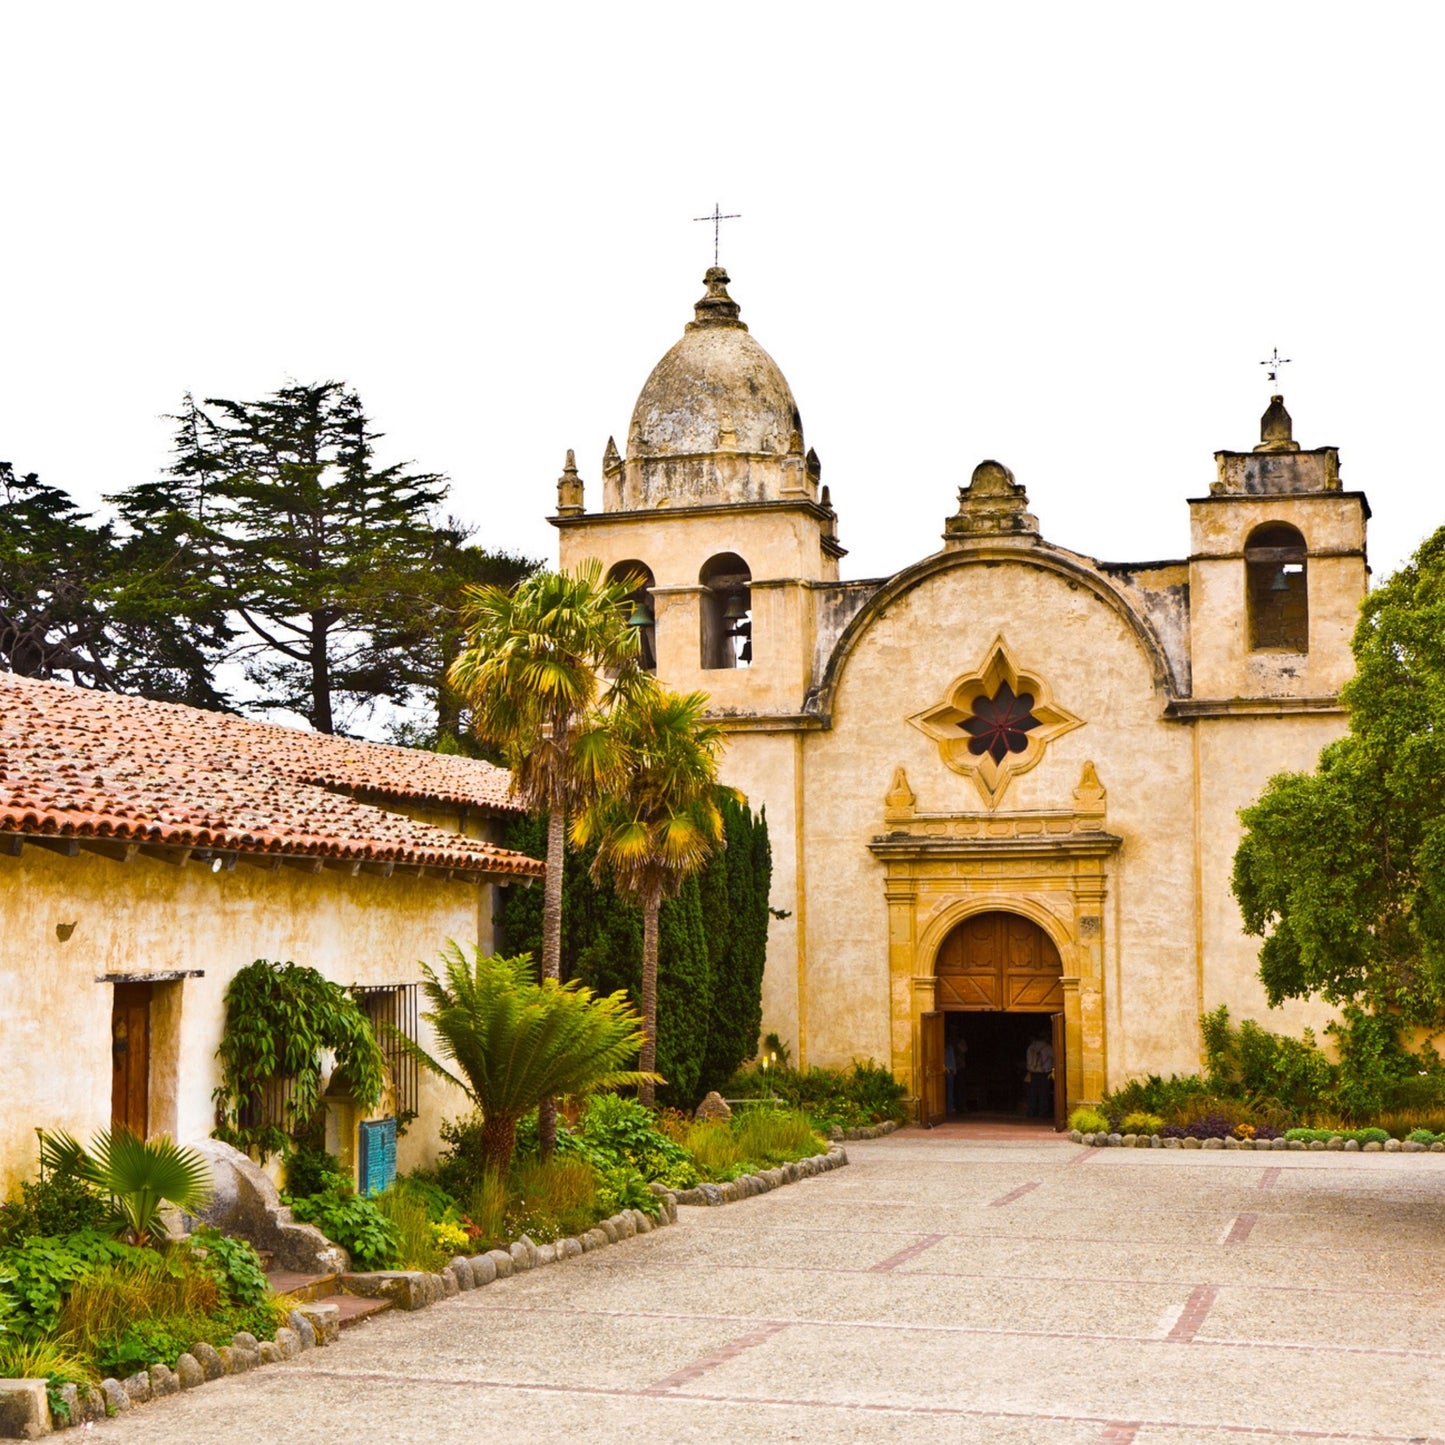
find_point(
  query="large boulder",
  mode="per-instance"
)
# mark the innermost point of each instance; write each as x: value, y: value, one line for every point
x: 713, y: 1106
x: 244, y: 1202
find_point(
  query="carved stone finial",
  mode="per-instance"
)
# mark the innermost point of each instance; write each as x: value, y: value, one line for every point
x: 717, y: 308
x: 1091, y: 795
x: 611, y: 458
x: 1276, y: 429
x: 814, y: 466
x: 992, y: 505
x: 898, y: 804
x: 826, y: 500
x: 569, y: 488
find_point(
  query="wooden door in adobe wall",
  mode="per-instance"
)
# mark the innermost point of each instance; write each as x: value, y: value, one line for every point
x: 999, y: 961
x: 130, y: 1057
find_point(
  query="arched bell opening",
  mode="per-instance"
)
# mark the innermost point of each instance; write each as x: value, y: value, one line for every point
x: 640, y: 613
x: 1277, y: 587
x: 725, y: 612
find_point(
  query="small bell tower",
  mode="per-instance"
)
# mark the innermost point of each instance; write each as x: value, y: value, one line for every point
x: 1277, y: 572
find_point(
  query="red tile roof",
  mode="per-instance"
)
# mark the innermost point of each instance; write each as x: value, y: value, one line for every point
x: 76, y: 763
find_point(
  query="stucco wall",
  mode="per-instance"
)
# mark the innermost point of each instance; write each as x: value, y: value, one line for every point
x: 1097, y: 669
x: 147, y: 917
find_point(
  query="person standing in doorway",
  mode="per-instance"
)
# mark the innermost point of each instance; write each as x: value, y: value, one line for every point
x: 1039, y: 1061
x: 950, y: 1070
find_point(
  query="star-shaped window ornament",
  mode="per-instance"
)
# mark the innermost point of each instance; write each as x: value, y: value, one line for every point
x: 995, y: 722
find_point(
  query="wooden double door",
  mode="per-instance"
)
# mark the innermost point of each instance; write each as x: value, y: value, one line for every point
x: 993, y: 962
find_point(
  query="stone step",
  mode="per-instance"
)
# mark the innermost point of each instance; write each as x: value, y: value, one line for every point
x: 303, y: 1286
x: 353, y: 1309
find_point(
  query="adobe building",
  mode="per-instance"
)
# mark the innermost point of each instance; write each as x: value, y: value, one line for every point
x: 1003, y: 784
x: 149, y: 851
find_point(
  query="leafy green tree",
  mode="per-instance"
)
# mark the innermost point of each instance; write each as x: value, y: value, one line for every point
x: 516, y: 1042
x: 1342, y: 871
x: 657, y: 825
x: 78, y: 601
x: 312, y: 547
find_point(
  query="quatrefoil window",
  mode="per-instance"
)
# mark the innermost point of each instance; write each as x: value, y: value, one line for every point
x: 995, y: 722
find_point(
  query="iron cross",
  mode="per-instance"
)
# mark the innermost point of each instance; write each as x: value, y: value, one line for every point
x: 1274, y: 362
x: 717, y: 218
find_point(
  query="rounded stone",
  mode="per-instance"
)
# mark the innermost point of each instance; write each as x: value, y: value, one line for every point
x: 116, y: 1398
x: 138, y: 1387
x: 1413, y: 1146
x: 1115, y: 1140
x: 1392, y: 1146
x: 1296, y: 1145
x: 305, y: 1330
x: 288, y: 1342
x: 461, y: 1267
x: 209, y: 1361
x: 1130, y: 1141
x: 1317, y: 1146
x: 1336, y: 1144
x: 1230, y: 1142
x: 1438, y: 1147
x: 484, y: 1270
x: 1373, y: 1147
x: 1173, y: 1143
x: 1192, y: 1143
x: 1213, y: 1143
x: 244, y: 1340
x: 189, y: 1372
x: 271, y: 1353
x: 1352, y: 1146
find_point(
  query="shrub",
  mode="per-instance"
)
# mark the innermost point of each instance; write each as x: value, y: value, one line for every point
x: 313, y: 1171
x: 1088, y: 1121
x: 417, y: 1246
x: 714, y: 1150
x: 864, y: 1094
x: 54, y: 1205
x: 1140, y: 1123
x: 552, y: 1198
x: 356, y: 1224
x: 1153, y: 1095
x: 41, y: 1272
x: 234, y: 1264
x: 775, y: 1136
x: 614, y: 1131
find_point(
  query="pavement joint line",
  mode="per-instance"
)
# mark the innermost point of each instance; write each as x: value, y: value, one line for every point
x: 868, y: 1406
x: 1239, y: 1231
x: 1428, y: 1295
x: 1083, y: 1156
x: 1270, y: 1177
x: 1014, y: 1194
x: 1190, y: 1320
x: 1195, y: 1312
x: 1119, y: 1432
x: 729, y: 1351
x: 904, y: 1255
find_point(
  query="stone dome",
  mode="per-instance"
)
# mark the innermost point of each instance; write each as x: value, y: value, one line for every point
x: 716, y: 420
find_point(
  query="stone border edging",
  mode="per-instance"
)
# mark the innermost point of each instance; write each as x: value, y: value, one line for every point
x: 316, y: 1323
x: 745, y: 1186
x: 1337, y: 1145
x: 870, y: 1131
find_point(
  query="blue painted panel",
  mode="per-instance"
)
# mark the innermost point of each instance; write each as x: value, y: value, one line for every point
x: 376, y: 1156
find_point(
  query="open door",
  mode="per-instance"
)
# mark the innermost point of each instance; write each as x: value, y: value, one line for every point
x: 1061, y: 1073
x: 933, y: 1094
x: 130, y: 1058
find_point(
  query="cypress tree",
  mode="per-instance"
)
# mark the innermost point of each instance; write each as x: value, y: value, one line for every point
x: 712, y: 943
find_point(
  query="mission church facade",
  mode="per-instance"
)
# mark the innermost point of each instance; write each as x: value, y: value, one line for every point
x: 1002, y: 785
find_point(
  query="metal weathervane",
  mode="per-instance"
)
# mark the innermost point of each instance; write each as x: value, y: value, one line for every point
x: 717, y: 218
x: 1274, y: 361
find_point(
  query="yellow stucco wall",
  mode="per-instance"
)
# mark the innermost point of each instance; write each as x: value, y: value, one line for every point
x: 147, y: 917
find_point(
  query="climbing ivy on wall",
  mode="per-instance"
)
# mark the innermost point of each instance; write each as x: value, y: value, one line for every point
x: 279, y: 1019
x: 712, y: 942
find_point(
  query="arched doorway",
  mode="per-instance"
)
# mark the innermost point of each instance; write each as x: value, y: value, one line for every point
x: 999, y: 991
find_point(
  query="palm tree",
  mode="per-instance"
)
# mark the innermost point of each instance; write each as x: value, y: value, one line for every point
x: 539, y: 666
x: 517, y: 1042
x: 139, y: 1176
x: 661, y: 822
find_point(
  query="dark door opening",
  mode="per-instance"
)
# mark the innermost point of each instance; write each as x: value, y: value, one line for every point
x: 990, y: 1051
x: 130, y: 1058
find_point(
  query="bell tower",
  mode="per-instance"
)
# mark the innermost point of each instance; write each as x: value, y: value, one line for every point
x: 1277, y: 573
x: 721, y: 509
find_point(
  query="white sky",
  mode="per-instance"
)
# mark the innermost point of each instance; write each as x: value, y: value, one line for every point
x: 1059, y: 235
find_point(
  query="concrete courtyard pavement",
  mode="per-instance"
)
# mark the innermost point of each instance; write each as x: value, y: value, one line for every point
x: 939, y: 1288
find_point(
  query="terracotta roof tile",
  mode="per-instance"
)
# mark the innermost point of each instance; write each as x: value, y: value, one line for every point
x: 83, y: 764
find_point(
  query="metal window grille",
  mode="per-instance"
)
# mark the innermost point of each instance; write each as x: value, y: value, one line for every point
x: 392, y: 1009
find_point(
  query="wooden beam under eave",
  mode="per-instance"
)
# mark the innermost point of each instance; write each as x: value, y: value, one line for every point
x: 350, y: 866
x: 118, y: 850
x: 66, y: 847
x: 380, y: 869
x: 11, y: 845
x: 266, y: 862
x: 309, y: 864
x: 176, y: 857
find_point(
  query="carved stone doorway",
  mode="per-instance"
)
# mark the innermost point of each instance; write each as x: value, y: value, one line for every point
x: 1000, y: 987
